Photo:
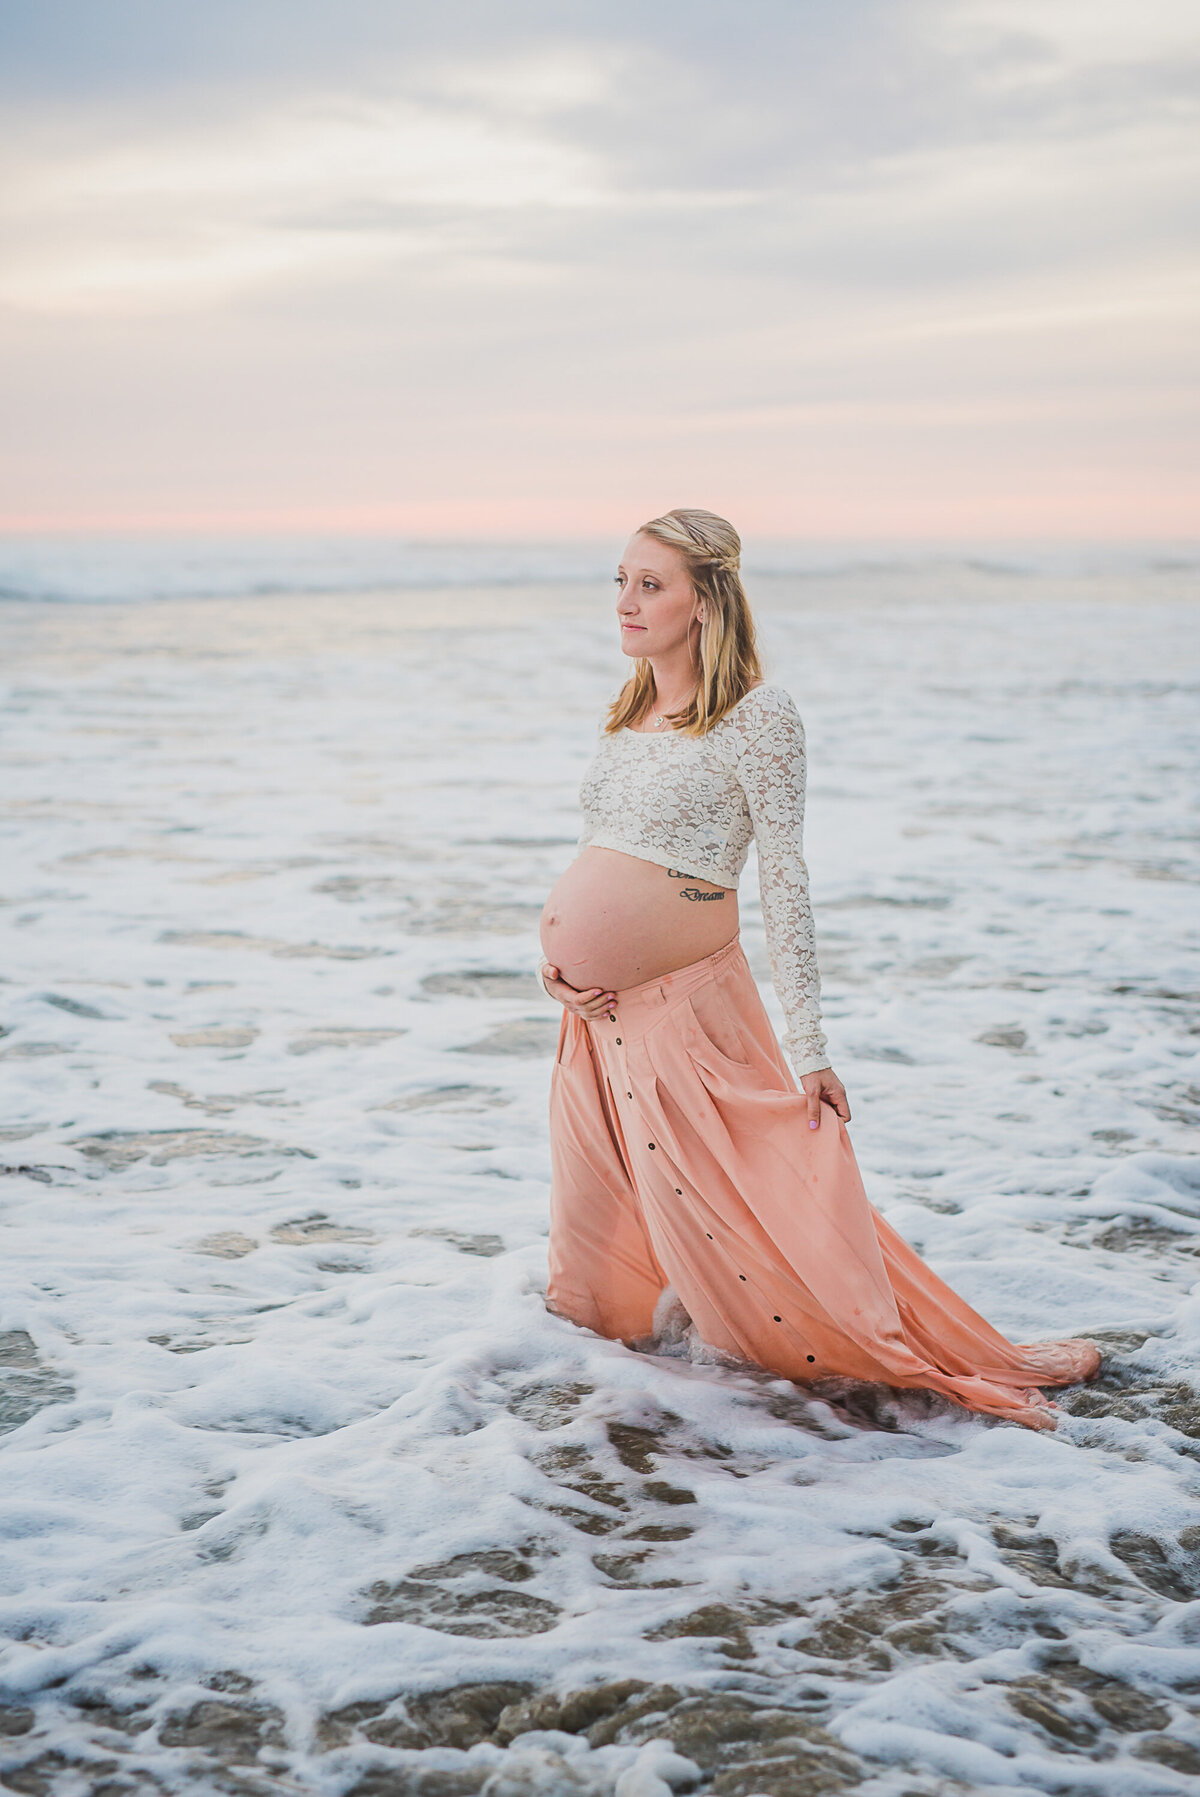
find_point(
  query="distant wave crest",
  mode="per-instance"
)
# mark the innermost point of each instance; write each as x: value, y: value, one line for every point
x: 110, y: 570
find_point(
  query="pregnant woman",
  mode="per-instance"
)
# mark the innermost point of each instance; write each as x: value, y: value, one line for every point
x: 684, y: 1154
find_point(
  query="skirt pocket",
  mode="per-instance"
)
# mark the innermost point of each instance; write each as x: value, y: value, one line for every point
x: 711, y: 1027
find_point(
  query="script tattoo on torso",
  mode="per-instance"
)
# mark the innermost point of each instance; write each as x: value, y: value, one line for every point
x: 692, y: 892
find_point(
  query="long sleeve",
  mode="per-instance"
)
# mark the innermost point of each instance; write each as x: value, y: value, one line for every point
x: 772, y: 771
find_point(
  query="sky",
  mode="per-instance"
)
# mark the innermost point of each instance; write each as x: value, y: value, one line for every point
x: 837, y: 269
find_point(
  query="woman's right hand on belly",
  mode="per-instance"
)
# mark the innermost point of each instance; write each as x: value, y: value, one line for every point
x: 589, y: 1005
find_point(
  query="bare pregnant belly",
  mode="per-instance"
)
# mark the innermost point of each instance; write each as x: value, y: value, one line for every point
x: 614, y: 920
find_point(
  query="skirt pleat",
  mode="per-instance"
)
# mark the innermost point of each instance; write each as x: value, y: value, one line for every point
x: 681, y: 1155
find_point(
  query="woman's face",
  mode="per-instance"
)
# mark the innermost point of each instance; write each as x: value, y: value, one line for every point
x: 656, y: 603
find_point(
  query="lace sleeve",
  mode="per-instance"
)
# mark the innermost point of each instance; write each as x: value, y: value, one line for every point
x: 771, y: 769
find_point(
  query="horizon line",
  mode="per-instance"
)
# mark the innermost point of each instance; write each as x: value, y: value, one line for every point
x: 265, y: 525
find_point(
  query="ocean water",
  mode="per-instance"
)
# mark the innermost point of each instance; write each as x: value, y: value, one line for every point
x: 123, y: 570
x: 301, y: 1487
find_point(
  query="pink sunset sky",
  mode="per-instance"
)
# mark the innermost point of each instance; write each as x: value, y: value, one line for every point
x: 837, y: 268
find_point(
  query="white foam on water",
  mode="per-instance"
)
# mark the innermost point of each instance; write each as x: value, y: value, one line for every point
x: 275, y: 1082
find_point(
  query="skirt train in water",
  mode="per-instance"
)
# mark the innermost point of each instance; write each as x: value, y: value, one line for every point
x: 682, y: 1156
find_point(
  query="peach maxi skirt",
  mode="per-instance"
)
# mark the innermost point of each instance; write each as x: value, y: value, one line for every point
x: 682, y: 1156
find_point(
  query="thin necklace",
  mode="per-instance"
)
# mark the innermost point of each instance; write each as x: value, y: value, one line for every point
x: 659, y: 720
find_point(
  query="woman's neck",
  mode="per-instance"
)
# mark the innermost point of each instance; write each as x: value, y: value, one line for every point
x: 674, y: 681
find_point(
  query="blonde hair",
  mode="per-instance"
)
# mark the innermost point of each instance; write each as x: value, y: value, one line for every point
x: 728, y: 660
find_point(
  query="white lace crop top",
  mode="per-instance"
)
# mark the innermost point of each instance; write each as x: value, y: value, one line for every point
x: 697, y: 802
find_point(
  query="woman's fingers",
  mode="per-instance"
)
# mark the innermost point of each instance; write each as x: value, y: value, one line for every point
x: 834, y: 1093
x: 824, y: 1087
x: 592, y: 1004
x: 566, y: 995
x: 595, y: 1004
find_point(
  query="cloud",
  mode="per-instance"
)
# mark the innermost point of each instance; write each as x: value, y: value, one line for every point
x: 295, y: 224
x: 324, y: 186
x: 1075, y: 33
